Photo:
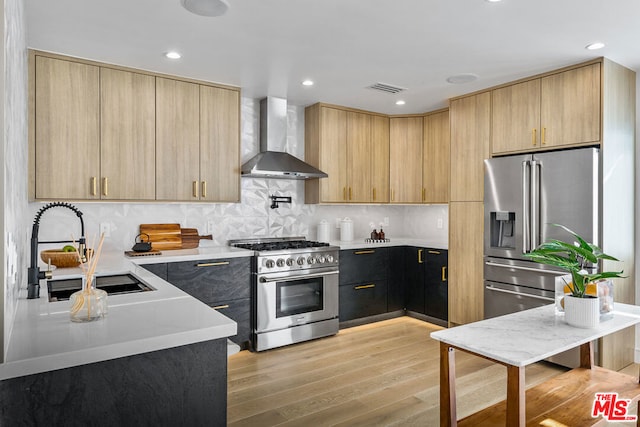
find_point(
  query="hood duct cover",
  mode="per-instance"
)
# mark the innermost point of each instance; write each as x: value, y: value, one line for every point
x: 272, y: 161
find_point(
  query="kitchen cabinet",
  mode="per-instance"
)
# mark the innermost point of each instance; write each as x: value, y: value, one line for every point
x: 560, y: 109
x: 379, y: 159
x: 159, y: 269
x: 436, y: 158
x: 397, y: 278
x: 222, y: 284
x: 127, y: 135
x: 65, y: 104
x: 363, y: 283
x: 405, y: 159
x: 427, y: 290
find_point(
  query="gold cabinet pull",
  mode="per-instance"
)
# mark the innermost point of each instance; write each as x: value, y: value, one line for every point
x: 344, y: 193
x: 105, y: 186
x: 543, y: 138
x: 435, y: 252
x: 204, y: 189
x: 420, y: 260
x: 424, y: 194
x: 371, y: 251
x: 364, y: 286
x: 212, y: 264
x: 393, y: 194
x: 220, y: 307
x: 349, y: 193
x: 533, y: 136
x: 374, y: 194
x: 195, y: 188
x: 94, y: 189
x: 444, y: 273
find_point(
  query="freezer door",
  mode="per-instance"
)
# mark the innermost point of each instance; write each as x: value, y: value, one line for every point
x: 506, y: 191
x: 567, y: 194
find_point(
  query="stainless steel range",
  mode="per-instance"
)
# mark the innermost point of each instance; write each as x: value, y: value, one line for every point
x: 295, y: 290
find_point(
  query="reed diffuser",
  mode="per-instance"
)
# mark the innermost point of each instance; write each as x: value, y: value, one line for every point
x: 89, y: 303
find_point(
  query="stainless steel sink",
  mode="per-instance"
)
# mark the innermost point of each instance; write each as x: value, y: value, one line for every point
x: 61, y: 290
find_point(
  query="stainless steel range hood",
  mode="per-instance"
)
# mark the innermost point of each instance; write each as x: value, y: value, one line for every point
x: 272, y: 161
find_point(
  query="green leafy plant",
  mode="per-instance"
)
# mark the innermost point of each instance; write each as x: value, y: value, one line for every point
x: 574, y: 257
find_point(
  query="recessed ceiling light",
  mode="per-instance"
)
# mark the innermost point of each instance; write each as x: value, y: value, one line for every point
x: 493, y: 1
x: 307, y: 83
x: 594, y: 46
x: 173, y: 55
x: 462, y: 78
x: 400, y: 102
x: 206, y: 7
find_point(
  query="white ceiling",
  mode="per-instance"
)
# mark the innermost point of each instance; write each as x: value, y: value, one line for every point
x: 267, y: 47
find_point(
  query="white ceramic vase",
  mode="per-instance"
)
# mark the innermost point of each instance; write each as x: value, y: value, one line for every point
x: 582, y: 312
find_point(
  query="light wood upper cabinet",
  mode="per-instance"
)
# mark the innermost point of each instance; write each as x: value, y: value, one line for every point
x: 380, y: 159
x: 359, y: 152
x: 219, y: 144
x: 66, y: 108
x: 470, y: 132
x: 405, y: 159
x: 177, y: 140
x: 436, y: 158
x: 561, y: 109
x: 127, y: 135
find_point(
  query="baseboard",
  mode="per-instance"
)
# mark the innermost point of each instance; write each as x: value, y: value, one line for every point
x: 371, y: 319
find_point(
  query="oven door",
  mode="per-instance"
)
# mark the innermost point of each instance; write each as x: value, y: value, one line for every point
x: 295, y: 298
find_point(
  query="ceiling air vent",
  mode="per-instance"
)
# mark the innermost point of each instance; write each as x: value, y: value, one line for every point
x: 383, y: 87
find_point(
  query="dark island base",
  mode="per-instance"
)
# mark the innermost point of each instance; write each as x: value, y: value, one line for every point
x: 181, y: 386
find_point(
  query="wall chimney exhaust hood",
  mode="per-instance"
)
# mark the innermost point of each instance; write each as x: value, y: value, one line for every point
x: 272, y: 161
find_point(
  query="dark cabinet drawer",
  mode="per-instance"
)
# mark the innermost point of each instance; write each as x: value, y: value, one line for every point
x: 159, y: 270
x: 362, y: 300
x: 212, y: 281
x: 240, y: 312
x: 360, y: 265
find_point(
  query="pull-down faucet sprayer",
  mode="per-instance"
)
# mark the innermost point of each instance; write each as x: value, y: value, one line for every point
x: 34, y: 273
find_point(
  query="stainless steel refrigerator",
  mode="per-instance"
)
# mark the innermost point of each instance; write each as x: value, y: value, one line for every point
x: 524, y: 196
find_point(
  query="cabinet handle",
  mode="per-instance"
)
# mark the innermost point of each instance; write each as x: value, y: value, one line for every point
x: 374, y: 194
x: 94, y: 189
x: 435, y: 252
x: 195, y: 188
x: 420, y: 260
x: 444, y: 274
x: 349, y: 193
x: 344, y: 193
x: 393, y: 195
x: 105, y: 186
x: 212, y: 264
x: 424, y: 194
x: 364, y: 287
x: 220, y: 307
x: 533, y: 136
x: 204, y: 189
x: 543, y: 138
x: 371, y: 251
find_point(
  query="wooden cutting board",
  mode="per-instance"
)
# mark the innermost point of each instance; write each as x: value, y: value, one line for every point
x: 191, y: 239
x: 163, y: 236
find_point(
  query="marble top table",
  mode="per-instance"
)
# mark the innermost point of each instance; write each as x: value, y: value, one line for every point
x: 517, y: 340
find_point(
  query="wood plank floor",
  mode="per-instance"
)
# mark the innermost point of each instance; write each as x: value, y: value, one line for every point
x: 382, y: 374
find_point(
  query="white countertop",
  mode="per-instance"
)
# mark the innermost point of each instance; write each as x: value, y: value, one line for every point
x: 43, y: 338
x: 401, y: 241
x: 529, y: 336
x: 200, y: 253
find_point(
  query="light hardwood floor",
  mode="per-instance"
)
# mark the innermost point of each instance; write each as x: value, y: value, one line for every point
x: 382, y: 374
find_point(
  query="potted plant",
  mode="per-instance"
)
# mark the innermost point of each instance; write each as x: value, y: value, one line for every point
x: 575, y: 257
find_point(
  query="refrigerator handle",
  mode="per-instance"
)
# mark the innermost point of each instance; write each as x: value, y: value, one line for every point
x: 526, y: 199
x: 535, y: 204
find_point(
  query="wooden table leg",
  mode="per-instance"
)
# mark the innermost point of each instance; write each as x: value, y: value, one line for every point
x: 516, y: 414
x: 448, y: 415
x: 586, y: 355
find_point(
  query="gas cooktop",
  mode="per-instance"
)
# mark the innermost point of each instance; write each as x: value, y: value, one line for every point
x: 276, y: 244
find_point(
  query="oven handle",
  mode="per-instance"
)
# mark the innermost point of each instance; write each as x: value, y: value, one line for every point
x: 265, y: 279
x: 491, y: 288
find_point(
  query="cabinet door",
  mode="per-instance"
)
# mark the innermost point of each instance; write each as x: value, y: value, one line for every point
x: 435, y: 169
x: 159, y: 270
x: 515, y: 117
x: 466, y: 286
x: 362, y: 300
x: 570, y: 107
x: 380, y: 159
x: 414, y: 276
x: 405, y: 159
x: 359, y: 148
x: 219, y: 144
x: 177, y: 140
x: 240, y: 312
x: 127, y: 135
x: 361, y: 265
x: 333, y: 155
x: 396, y: 281
x: 436, y: 291
x: 470, y: 130
x: 67, y: 131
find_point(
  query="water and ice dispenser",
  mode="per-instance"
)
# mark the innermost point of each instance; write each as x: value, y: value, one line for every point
x: 502, y: 229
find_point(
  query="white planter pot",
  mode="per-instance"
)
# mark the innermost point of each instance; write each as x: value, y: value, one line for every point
x: 582, y: 312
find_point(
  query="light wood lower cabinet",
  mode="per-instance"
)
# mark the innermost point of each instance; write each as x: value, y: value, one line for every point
x: 466, y: 287
x: 405, y: 159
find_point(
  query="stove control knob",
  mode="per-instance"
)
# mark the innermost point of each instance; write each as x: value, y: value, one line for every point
x: 301, y: 260
x: 311, y: 260
x: 280, y: 262
x: 321, y: 259
x: 269, y: 263
x: 290, y: 262
x: 329, y: 258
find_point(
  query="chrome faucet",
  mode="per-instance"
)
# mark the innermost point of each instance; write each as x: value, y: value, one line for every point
x: 34, y: 273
